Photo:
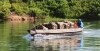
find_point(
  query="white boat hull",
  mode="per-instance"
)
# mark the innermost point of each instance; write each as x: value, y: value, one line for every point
x: 56, y: 31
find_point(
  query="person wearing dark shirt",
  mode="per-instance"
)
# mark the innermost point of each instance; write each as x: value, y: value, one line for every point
x: 80, y: 23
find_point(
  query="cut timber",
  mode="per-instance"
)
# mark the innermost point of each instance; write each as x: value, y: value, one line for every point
x: 56, y: 31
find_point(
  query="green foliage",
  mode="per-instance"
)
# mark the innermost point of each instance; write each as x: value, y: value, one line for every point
x: 54, y: 19
x: 53, y: 8
x: 1, y: 15
x: 5, y: 8
x: 38, y: 12
x: 20, y: 8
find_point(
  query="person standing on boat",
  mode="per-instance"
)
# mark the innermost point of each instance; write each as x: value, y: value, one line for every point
x: 80, y: 23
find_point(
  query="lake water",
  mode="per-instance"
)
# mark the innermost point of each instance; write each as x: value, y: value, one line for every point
x: 12, y: 38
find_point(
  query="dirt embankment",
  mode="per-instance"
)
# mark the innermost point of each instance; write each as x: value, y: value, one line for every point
x: 14, y: 17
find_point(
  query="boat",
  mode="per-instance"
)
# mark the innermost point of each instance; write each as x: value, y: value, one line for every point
x: 56, y: 31
x: 58, y: 28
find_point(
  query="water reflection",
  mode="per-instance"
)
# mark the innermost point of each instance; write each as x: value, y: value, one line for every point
x: 11, y: 36
x: 53, y: 43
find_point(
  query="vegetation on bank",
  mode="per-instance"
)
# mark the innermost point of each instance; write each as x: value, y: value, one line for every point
x: 85, y: 9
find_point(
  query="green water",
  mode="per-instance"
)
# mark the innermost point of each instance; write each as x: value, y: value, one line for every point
x: 11, y: 37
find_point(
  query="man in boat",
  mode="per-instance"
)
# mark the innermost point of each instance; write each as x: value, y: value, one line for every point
x: 67, y: 25
x: 44, y: 28
x: 80, y: 23
x: 61, y: 25
x: 70, y: 24
x: 75, y: 24
x: 54, y: 25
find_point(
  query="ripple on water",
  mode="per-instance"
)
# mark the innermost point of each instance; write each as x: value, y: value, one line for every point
x: 91, y: 32
x: 91, y: 40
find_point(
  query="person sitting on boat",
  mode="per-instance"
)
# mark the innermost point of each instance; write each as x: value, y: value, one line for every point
x: 75, y: 24
x: 80, y: 23
x: 54, y: 25
x: 70, y: 24
x: 44, y: 28
x: 65, y: 25
x: 61, y: 25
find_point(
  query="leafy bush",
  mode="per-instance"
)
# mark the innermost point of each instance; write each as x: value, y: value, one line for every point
x: 5, y: 8
x: 20, y: 8
x: 53, y: 8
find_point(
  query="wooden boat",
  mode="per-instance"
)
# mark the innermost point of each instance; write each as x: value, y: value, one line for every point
x: 56, y: 31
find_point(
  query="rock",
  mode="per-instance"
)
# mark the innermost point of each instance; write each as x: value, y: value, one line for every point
x: 20, y: 18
